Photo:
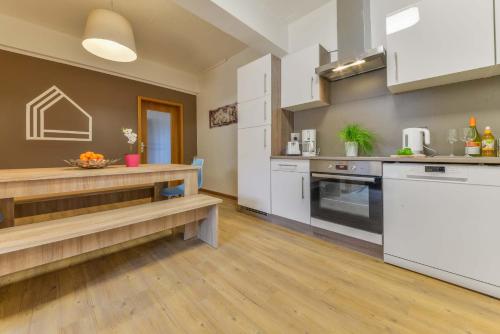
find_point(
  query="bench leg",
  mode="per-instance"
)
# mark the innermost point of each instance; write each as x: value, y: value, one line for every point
x: 190, y: 230
x: 6, y: 212
x: 208, y: 228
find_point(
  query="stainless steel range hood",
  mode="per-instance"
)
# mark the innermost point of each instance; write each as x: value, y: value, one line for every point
x: 354, y: 40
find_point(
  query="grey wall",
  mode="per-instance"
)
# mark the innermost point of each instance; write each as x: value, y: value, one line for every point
x: 365, y: 100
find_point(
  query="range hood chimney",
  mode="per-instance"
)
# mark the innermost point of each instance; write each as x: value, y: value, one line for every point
x: 355, y: 54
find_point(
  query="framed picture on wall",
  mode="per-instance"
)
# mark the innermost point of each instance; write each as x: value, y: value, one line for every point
x: 223, y: 116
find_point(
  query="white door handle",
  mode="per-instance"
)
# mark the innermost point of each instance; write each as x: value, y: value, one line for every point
x: 312, y: 84
x: 265, y: 83
x: 302, y: 187
x: 265, y: 111
x: 396, y: 67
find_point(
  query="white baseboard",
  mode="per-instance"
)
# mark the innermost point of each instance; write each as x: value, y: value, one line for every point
x: 469, y: 283
x: 374, y: 238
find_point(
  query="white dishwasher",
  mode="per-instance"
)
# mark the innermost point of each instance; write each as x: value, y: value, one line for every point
x: 444, y: 221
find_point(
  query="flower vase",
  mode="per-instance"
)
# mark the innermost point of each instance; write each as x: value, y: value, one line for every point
x: 132, y: 160
x: 351, y: 149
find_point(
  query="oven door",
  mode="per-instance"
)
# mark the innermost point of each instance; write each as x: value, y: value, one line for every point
x: 354, y: 201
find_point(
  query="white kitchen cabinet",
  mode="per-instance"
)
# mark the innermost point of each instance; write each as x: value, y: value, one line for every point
x: 254, y: 79
x: 301, y: 87
x: 263, y: 129
x: 497, y: 31
x: 254, y: 172
x: 255, y: 112
x: 290, y: 191
x: 451, y: 41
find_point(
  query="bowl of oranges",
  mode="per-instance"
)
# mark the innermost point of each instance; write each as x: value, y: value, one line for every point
x: 91, y: 160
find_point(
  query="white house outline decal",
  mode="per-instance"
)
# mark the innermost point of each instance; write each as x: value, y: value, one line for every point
x: 35, y: 118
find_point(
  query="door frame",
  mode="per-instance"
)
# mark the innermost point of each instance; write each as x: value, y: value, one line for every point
x: 180, y: 107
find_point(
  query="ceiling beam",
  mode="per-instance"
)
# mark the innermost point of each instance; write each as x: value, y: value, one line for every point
x: 241, y: 20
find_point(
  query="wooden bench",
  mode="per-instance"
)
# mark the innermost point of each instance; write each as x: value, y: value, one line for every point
x: 28, y: 246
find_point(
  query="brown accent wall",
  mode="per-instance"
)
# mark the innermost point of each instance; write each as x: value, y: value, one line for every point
x: 110, y: 100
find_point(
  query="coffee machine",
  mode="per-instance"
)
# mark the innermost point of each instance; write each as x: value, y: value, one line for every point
x: 293, y: 146
x: 309, y: 143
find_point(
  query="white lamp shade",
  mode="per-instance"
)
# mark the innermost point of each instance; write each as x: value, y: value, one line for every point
x: 109, y: 35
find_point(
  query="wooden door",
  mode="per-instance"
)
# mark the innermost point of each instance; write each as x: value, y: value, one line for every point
x: 175, y: 110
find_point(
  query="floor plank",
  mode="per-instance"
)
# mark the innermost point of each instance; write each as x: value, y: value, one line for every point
x: 264, y: 278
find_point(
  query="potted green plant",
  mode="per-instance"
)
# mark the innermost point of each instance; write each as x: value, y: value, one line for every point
x: 356, y: 138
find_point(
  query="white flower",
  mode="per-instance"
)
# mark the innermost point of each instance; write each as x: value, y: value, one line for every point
x: 131, y: 136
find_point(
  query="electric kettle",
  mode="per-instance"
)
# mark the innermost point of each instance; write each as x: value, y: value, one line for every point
x: 416, y: 138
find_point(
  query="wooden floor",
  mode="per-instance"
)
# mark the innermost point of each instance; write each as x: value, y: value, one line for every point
x: 264, y: 278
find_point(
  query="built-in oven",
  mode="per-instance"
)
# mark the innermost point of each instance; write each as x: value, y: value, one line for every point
x: 346, y: 196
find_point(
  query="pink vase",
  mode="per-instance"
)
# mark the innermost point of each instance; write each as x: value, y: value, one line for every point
x: 132, y: 160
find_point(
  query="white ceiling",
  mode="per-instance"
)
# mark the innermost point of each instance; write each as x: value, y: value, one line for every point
x: 164, y: 32
x: 287, y: 11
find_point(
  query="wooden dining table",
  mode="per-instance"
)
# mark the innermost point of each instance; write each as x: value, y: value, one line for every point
x: 60, y: 182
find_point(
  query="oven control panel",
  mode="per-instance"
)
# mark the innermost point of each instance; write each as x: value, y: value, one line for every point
x: 347, y: 167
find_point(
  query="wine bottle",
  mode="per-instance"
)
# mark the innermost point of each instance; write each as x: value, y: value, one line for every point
x: 473, y: 144
x: 488, y: 144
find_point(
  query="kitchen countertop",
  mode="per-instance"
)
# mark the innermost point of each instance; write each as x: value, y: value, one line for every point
x: 436, y: 159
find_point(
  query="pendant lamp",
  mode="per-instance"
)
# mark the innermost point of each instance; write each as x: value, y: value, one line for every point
x: 109, y: 35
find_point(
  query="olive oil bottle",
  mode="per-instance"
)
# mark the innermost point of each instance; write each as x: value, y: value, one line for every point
x: 473, y: 140
x: 488, y: 144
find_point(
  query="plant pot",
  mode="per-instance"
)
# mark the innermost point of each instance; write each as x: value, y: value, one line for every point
x: 132, y: 160
x: 351, y: 149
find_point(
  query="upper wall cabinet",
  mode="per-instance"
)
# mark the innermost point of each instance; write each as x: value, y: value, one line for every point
x: 437, y: 42
x: 254, y: 79
x: 497, y: 32
x: 301, y: 87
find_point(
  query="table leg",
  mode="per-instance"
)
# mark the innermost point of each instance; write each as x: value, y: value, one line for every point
x: 191, y: 188
x: 158, y: 186
x: 6, y: 212
x: 191, y: 183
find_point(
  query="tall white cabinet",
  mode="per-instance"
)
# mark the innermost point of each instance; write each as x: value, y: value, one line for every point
x: 449, y: 41
x: 263, y: 130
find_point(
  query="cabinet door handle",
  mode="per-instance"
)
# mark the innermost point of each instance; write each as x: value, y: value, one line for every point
x: 312, y: 84
x: 265, y: 83
x: 265, y: 110
x: 265, y: 138
x: 302, y: 187
x: 396, y: 65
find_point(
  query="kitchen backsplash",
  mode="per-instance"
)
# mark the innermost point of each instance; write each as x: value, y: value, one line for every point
x: 365, y: 100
